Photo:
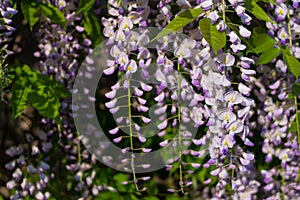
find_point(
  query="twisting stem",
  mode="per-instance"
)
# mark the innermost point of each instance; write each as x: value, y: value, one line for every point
x: 179, y: 134
x: 131, y: 136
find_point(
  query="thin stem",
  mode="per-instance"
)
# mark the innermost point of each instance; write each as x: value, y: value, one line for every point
x: 290, y: 32
x: 232, y: 172
x: 282, y: 184
x: 179, y: 134
x: 78, y: 150
x: 131, y: 135
x: 223, y: 9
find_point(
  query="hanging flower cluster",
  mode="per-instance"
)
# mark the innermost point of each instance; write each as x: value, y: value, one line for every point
x: 220, y: 95
x: 6, y: 32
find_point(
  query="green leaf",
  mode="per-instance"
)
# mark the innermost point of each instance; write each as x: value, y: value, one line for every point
x: 129, y: 197
x: 53, y: 13
x: 295, y: 90
x: 174, y: 198
x: 293, y: 127
x: 92, y: 27
x: 257, y: 11
x: 180, y: 21
x: 268, y: 1
x: 292, y: 63
x: 30, y: 11
x: 85, y: 5
x: 19, y: 98
x: 107, y: 195
x: 215, y: 38
x: 268, y: 56
x: 261, y: 42
x: 150, y: 198
x: 43, y: 93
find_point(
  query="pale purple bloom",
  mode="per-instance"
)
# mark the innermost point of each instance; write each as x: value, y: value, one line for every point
x: 146, y: 87
x: 115, y: 51
x: 142, y: 108
x: 281, y: 66
x: 195, y: 165
x: 109, y: 70
x: 125, y: 23
x: 111, y: 94
x: 118, y: 139
x: 215, y: 172
x: 114, y: 131
x: 162, y: 125
x: 281, y: 11
x: 196, y: 115
x: 226, y: 115
x: 244, y: 161
x: 228, y: 141
x: 79, y: 29
x: 141, y: 101
x: 282, y: 35
x: 248, y: 142
x: 182, y: 52
x: 246, y: 19
x: 221, y: 26
x: 244, y: 32
x: 233, y: 37
x: 233, y: 97
x: 248, y: 156
x: 235, y: 127
x: 11, y: 184
x: 284, y: 157
x: 131, y: 67
x: 226, y: 58
x: 119, y: 36
x: 236, y: 48
x: 163, y: 143
x: 246, y: 62
x: 142, y: 139
x: 146, y: 150
x: 244, y: 89
x: 160, y: 97
x: 240, y: 10
x: 213, y: 16
x: 206, y: 4
x: 123, y: 59
x: 111, y: 103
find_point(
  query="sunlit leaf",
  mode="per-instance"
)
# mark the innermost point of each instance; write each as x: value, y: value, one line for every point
x: 180, y: 21
x: 92, y: 27
x: 215, y: 38
x: 268, y: 56
x: 85, y: 5
x: 292, y: 63
x: 43, y: 93
x: 53, y: 13
x: 261, y: 42
x: 30, y: 11
x: 256, y: 10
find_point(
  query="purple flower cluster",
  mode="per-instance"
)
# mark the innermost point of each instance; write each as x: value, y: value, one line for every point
x: 233, y: 119
x: 6, y: 32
